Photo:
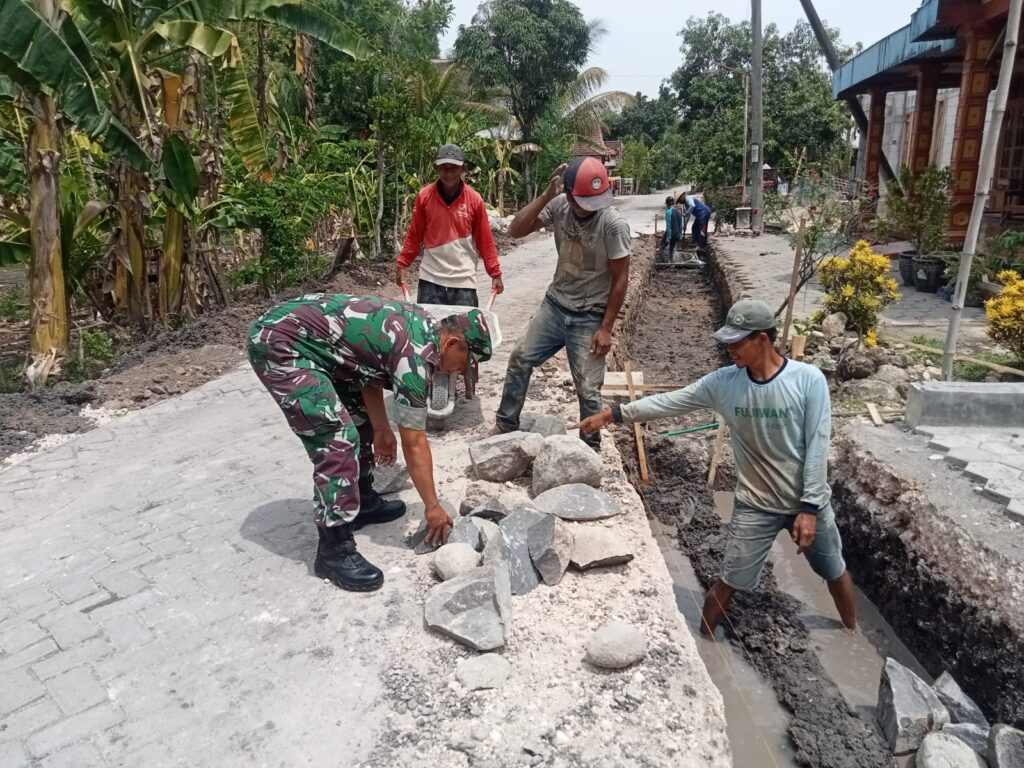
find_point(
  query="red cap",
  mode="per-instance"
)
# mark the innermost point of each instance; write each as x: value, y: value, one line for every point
x: 586, y: 179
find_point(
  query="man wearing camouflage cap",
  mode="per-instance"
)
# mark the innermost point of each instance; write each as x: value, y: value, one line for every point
x: 326, y: 359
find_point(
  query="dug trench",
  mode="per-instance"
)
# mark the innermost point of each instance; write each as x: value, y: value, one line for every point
x: 667, y: 334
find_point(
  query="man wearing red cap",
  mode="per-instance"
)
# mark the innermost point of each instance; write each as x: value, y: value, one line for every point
x: 579, y: 310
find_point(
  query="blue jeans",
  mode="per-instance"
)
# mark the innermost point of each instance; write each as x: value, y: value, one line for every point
x: 551, y: 329
x: 700, y: 227
x: 751, y: 533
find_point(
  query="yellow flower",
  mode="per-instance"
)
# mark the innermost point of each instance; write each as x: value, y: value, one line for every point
x: 848, y: 291
x: 871, y: 338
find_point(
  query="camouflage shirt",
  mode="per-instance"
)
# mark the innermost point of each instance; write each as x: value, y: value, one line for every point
x: 360, y: 341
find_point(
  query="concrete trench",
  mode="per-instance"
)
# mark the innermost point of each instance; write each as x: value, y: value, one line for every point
x: 932, y: 597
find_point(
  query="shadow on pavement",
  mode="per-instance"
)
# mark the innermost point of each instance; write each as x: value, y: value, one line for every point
x: 283, y: 527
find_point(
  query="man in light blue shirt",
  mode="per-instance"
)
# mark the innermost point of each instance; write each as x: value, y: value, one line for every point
x: 698, y: 209
x: 779, y: 415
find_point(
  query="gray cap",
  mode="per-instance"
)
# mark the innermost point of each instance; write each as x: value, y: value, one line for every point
x: 450, y: 154
x: 745, y: 317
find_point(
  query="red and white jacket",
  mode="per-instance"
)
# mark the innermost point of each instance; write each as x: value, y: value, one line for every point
x: 454, y: 238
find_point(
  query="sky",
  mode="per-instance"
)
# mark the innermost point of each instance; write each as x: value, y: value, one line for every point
x: 642, y: 45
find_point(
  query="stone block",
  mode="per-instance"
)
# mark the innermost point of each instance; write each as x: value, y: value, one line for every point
x: 551, y: 545
x: 1015, y: 509
x: 908, y: 708
x: 960, y: 706
x: 871, y: 391
x: 505, y: 457
x: 943, y: 750
x: 474, y: 609
x: 542, y: 423
x: 595, y: 547
x: 1005, y: 488
x: 564, y: 460
x: 515, y: 530
x: 983, y: 471
x: 974, y: 736
x: 577, y: 502
x: 1005, y: 747
x: 965, y: 404
x: 953, y: 442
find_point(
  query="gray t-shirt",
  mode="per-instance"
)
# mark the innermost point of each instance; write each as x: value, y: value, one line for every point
x: 585, y: 246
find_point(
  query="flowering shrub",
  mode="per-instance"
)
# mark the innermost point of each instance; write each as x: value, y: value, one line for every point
x: 1005, y: 313
x: 859, y: 286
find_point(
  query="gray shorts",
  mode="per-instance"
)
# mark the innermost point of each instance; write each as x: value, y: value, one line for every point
x: 752, y: 532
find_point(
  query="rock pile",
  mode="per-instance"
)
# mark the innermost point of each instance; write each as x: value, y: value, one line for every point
x: 506, y: 544
x: 942, y: 724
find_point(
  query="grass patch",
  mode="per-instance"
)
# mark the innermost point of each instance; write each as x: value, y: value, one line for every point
x: 13, y: 304
x: 95, y: 351
x: 962, y: 370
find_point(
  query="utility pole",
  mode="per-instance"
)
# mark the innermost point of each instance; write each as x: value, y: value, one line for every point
x: 986, y: 167
x: 746, y: 131
x: 756, y: 119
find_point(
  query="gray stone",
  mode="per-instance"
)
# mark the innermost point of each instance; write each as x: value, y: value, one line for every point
x: 577, y: 502
x: 542, y: 423
x: 490, y: 670
x: 890, y: 374
x: 551, y: 545
x: 1005, y: 747
x: 565, y: 459
x: 477, y: 492
x: 490, y: 509
x: 496, y: 551
x: 871, y: 391
x: 858, y: 366
x: 515, y: 530
x: 1015, y: 509
x: 418, y: 542
x: 974, y: 736
x: 616, y: 645
x: 823, y: 362
x: 1006, y: 488
x: 965, y: 404
x: 505, y: 457
x: 475, y: 609
x: 488, y: 530
x: 834, y: 325
x: 595, y: 547
x: 943, y: 750
x: 455, y: 559
x: 465, y: 531
x: 907, y: 708
x: 960, y: 707
x: 390, y: 479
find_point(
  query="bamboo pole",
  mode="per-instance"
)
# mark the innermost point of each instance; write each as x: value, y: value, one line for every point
x: 794, y: 280
x: 645, y: 477
x: 989, y: 148
x: 716, y: 454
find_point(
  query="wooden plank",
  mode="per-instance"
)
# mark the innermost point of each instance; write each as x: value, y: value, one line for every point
x: 624, y: 388
x: 875, y: 415
x: 716, y: 454
x: 645, y: 477
x: 799, y: 347
x: 618, y: 379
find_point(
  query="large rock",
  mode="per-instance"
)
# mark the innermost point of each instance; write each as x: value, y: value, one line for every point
x: 577, y: 502
x: 455, y: 559
x: 858, y: 366
x: 477, y: 492
x: 565, y: 459
x: 475, y: 609
x: 542, y: 423
x: 490, y: 670
x: 505, y: 457
x: 892, y: 374
x: 390, y: 479
x: 515, y: 530
x: 616, y: 645
x: 907, y: 708
x: 595, y: 547
x: 551, y: 545
x: 960, y: 707
x: 942, y: 750
x: 1005, y: 747
x: 492, y: 509
x: 834, y: 325
x: 475, y: 531
x: 974, y: 736
x: 870, y: 391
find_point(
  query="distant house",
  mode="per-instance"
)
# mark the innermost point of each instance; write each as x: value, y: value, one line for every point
x: 610, y: 152
x: 928, y: 89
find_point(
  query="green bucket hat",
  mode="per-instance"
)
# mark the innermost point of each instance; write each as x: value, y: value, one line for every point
x: 478, y: 335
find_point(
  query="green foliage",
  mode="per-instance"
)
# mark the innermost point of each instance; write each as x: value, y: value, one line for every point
x: 919, y: 208
x: 95, y: 351
x: 962, y: 370
x: 13, y: 304
x: 1005, y: 251
x: 528, y: 51
x: 647, y: 120
x: 638, y: 164
x: 723, y: 201
x: 709, y: 85
x: 858, y: 286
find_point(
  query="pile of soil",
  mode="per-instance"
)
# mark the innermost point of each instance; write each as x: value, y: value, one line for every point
x: 166, y: 363
x: 671, y: 342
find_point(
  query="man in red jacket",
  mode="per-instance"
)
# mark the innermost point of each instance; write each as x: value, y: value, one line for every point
x: 450, y: 225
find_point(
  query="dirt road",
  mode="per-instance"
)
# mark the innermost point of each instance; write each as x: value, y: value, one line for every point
x: 158, y: 609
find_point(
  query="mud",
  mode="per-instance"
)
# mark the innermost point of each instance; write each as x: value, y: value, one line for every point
x: 671, y: 343
x: 166, y: 363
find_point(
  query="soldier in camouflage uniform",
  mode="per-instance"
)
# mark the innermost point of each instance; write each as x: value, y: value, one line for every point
x: 326, y: 360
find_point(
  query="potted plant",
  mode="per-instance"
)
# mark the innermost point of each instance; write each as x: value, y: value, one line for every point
x: 981, y: 266
x: 919, y: 210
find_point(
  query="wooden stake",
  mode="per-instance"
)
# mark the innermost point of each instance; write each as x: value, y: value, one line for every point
x: 716, y: 454
x: 799, y: 347
x: 793, y: 280
x: 875, y: 415
x: 645, y: 477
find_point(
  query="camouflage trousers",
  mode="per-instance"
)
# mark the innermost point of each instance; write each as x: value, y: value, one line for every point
x: 328, y: 416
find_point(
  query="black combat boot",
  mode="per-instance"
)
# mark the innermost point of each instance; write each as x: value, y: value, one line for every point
x: 338, y: 561
x: 374, y: 508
